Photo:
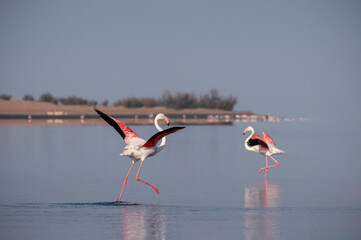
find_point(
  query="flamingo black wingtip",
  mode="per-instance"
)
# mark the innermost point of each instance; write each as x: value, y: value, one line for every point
x: 177, y: 128
x: 97, y: 110
x: 111, y: 121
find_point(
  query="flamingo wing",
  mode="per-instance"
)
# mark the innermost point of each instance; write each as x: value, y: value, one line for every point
x: 159, y: 135
x: 257, y: 140
x: 120, y: 127
x: 268, y: 139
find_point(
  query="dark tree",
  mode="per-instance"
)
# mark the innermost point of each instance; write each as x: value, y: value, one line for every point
x: 132, y: 102
x: 118, y: 103
x: 184, y: 100
x: 47, y: 97
x: 181, y: 100
x: 28, y: 97
x: 5, y: 97
x: 92, y: 102
x: 105, y: 103
x: 149, y: 102
x: 73, y: 100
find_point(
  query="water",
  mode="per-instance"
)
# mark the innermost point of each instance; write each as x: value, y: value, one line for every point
x: 62, y: 183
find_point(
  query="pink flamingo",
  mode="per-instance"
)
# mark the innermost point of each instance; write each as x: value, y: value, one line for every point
x: 264, y: 146
x: 137, y: 148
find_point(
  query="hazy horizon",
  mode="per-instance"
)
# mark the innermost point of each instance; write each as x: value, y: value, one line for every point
x: 290, y: 59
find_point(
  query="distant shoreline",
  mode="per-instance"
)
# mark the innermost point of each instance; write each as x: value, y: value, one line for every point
x: 43, y: 113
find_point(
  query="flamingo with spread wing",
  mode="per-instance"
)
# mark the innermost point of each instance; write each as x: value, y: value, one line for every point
x: 137, y: 148
x: 264, y: 146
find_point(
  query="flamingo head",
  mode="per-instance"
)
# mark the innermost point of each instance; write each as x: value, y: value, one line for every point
x: 164, y: 117
x: 249, y: 128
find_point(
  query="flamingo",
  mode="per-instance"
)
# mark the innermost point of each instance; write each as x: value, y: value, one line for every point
x: 137, y: 148
x: 264, y: 146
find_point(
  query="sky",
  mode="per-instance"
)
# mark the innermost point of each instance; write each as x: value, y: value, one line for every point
x: 282, y: 58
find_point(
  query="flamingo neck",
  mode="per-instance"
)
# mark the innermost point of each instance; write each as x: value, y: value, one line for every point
x: 157, y: 118
x: 247, y: 139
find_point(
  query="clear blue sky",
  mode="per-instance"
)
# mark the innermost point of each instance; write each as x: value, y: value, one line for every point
x: 283, y: 58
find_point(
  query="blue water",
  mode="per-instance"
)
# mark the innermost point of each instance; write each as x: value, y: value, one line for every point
x: 61, y: 182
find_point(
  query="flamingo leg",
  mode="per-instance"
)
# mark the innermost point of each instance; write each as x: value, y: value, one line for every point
x: 138, y: 179
x: 265, y: 168
x: 125, y: 181
x: 265, y: 176
x: 277, y: 163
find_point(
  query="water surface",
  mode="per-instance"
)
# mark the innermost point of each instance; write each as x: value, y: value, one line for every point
x: 62, y: 182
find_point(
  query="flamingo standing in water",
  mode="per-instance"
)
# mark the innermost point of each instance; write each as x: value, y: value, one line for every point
x: 137, y: 148
x: 264, y: 146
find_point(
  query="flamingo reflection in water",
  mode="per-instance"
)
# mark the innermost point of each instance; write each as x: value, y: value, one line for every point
x: 260, y: 217
x: 140, y: 222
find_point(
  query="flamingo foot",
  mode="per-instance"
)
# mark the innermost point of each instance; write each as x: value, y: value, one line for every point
x: 156, y: 190
x: 260, y: 171
x: 119, y: 201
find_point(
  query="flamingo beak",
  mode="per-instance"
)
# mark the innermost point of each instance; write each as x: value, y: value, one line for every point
x: 166, y: 119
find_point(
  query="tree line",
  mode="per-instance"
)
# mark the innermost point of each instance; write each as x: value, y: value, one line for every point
x: 48, y: 97
x: 179, y: 100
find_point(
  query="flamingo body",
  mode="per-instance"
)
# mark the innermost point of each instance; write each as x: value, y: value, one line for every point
x: 264, y: 146
x: 137, y: 148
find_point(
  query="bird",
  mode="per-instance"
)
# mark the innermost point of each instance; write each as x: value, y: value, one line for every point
x: 264, y: 146
x: 137, y: 148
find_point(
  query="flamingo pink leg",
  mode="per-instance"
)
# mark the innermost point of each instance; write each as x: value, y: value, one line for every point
x: 277, y: 163
x: 138, y: 179
x: 125, y: 181
x: 267, y: 167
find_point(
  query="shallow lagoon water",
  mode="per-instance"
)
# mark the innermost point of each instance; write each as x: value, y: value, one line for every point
x: 61, y: 183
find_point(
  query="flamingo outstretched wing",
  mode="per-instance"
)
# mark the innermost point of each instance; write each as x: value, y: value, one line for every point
x: 120, y: 127
x: 159, y: 135
x: 268, y: 139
